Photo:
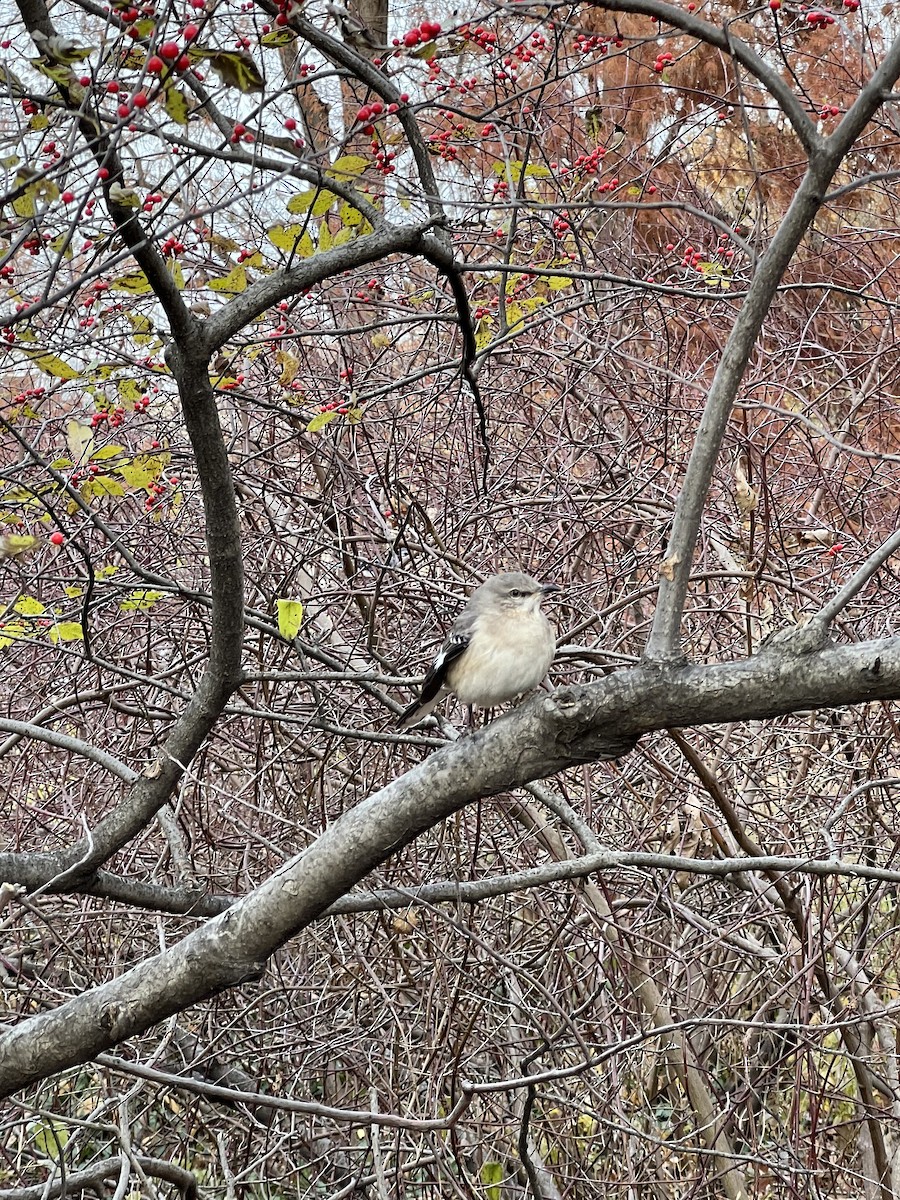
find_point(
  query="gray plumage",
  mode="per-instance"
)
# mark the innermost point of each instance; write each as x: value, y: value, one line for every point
x: 499, y: 646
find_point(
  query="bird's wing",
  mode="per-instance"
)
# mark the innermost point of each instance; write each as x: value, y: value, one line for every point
x: 434, y: 683
x: 456, y: 643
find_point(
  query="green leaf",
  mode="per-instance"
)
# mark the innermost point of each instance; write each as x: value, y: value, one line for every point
x: 492, y: 1177
x: 49, y: 1138
x: 235, y: 68
x: 67, y: 631
x: 140, y: 600
x: 320, y: 420
x: 176, y: 105
x: 290, y: 618
x: 233, y: 283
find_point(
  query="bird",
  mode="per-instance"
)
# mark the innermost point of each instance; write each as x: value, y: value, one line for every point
x: 354, y: 32
x: 499, y: 646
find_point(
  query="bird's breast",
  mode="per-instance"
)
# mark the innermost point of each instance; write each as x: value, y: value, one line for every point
x: 505, y: 658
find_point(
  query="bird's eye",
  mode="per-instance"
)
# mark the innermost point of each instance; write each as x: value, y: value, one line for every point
x: 516, y: 592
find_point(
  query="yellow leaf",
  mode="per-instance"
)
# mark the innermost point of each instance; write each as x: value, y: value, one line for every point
x: 140, y: 600
x: 293, y: 239
x: 325, y: 239
x: 130, y: 392
x: 484, y: 332
x: 232, y: 283
x: 101, y: 485
x: 79, y: 439
x: 344, y: 234
x: 323, y: 202
x: 348, y: 166
x: 320, y: 420
x: 135, y: 283
x: 14, y: 631
x: 34, y: 190
x: 350, y: 215
x: 51, y: 365
x: 140, y: 473
x: 235, y: 68
x: 289, y: 364
x: 107, y: 452
x: 14, y: 544
x: 290, y: 618
x: 29, y: 607
x: 67, y: 631
x: 300, y: 202
x: 175, y: 105
x: 277, y: 37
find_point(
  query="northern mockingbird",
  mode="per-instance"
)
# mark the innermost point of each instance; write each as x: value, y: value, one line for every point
x: 499, y: 646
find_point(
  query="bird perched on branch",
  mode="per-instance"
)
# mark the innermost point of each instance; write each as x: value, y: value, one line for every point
x: 499, y: 646
x: 354, y: 32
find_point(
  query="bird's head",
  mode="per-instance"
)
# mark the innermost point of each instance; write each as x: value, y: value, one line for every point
x: 513, y: 591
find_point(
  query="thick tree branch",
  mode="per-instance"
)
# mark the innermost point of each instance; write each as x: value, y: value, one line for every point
x: 545, y: 735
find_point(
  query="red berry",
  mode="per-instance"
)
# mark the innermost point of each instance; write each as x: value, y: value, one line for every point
x: 155, y: 64
x: 57, y: 538
x: 190, y: 32
x: 103, y: 173
x: 183, y: 63
x: 290, y: 123
x: 170, y: 50
x: 68, y: 197
x: 112, y: 87
x: 412, y: 38
x: 123, y: 110
x: 140, y: 99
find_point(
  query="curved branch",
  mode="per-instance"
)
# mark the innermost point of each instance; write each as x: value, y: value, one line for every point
x: 664, y: 641
x: 725, y: 41
x: 73, y: 745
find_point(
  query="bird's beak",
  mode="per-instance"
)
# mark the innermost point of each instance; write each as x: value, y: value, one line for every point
x: 549, y: 588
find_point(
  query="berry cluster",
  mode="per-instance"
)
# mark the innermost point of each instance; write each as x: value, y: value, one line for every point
x: 592, y: 43
x: 483, y: 38
x: 662, y: 61
x: 816, y: 19
x: 419, y: 35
